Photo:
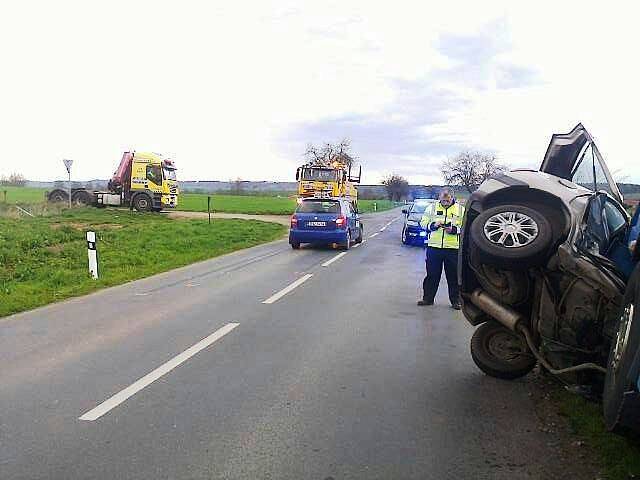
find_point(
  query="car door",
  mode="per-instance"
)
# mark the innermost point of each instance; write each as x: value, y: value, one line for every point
x: 574, y: 156
x: 351, y: 215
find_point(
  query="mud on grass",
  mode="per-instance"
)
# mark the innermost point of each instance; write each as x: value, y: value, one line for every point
x: 44, y: 259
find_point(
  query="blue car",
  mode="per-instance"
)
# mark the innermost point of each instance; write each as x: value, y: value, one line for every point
x: 325, y: 222
x: 621, y: 395
x: 412, y: 232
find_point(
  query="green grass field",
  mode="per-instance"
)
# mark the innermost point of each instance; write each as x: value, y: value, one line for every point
x: 197, y: 202
x: 21, y: 195
x: 44, y: 259
x: 258, y: 205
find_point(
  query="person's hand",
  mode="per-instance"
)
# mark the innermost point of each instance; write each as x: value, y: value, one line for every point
x: 449, y: 230
x: 438, y: 224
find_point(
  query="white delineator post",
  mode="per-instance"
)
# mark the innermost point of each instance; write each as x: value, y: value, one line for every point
x: 93, y: 254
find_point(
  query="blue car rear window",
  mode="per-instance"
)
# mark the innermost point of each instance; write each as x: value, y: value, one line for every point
x: 318, y: 206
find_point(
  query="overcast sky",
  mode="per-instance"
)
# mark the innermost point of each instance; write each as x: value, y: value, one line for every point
x: 237, y: 89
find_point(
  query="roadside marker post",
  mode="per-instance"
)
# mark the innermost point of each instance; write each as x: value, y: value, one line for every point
x: 375, y: 206
x: 209, y: 208
x: 5, y: 196
x: 67, y: 165
x: 93, y: 254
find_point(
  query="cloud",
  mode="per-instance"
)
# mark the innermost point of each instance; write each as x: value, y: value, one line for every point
x: 413, y: 132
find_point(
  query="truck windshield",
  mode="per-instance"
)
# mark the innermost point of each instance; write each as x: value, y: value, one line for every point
x: 318, y: 206
x: 169, y: 173
x: 320, y: 174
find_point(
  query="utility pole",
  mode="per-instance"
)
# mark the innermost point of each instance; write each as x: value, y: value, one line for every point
x: 67, y: 164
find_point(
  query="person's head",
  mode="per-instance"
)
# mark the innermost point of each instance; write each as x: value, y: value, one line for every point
x: 446, y: 197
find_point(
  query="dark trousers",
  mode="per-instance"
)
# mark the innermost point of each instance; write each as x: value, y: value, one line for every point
x: 436, y: 258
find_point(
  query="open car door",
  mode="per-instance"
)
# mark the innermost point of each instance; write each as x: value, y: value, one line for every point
x: 575, y: 157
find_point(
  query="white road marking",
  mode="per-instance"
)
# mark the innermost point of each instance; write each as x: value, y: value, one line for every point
x: 277, y: 296
x: 141, y: 294
x: 330, y: 261
x: 151, y: 377
x: 374, y: 235
x: 383, y: 228
x: 357, y: 245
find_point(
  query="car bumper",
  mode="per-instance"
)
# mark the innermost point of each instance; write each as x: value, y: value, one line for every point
x: 330, y: 236
x: 416, y: 236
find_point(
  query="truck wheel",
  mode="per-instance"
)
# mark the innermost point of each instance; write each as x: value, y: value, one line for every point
x: 501, y: 353
x: 58, y: 196
x: 81, y: 198
x: 621, y: 401
x: 514, y: 237
x: 142, y: 203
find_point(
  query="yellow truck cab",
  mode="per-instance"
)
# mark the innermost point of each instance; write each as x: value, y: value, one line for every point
x: 155, y: 175
x: 333, y: 181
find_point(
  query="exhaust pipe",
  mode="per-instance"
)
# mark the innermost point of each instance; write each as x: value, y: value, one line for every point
x: 514, y: 322
x: 505, y: 315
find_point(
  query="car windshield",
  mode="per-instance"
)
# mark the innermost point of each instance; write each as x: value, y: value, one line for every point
x: 318, y: 206
x: 169, y: 173
x: 419, y: 207
x: 320, y: 174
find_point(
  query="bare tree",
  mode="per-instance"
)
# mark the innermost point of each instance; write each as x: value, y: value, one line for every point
x: 397, y: 186
x: 323, y: 155
x: 14, y: 180
x: 469, y: 169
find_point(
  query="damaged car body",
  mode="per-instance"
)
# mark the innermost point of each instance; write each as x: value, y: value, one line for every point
x: 545, y: 268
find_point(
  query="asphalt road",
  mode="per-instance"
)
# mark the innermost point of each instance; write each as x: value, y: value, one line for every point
x: 341, y: 376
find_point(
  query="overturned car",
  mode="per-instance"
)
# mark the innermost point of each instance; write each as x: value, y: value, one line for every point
x: 547, y: 274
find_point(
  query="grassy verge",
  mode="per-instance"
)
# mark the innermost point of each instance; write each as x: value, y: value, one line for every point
x: 618, y: 455
x: 44, y: 259
x: 259, y: 205
x: 21, y: 195
x: 268, y: 204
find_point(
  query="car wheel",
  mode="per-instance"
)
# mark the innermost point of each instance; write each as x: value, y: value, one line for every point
x: 501, y: 353
x: 619, y: 405
x: 142, y: 203
x: 360, y: 234
x: 512, y: 236
x: 511, y: 287
x: 404, y: 236
x: 295, y: 246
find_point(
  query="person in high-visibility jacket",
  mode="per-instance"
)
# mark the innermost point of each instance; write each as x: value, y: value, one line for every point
x: 444, y: 225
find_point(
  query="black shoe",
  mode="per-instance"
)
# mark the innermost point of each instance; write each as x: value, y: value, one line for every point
x: 456, y: 306
x: 424, y: 303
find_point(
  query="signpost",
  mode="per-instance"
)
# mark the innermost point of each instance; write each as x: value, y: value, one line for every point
x: 67, y: 164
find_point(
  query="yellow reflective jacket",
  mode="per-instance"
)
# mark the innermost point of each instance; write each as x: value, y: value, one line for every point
x: 438, y: 237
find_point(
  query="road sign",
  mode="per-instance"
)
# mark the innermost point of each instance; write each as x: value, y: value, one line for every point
x: 67, y: 164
